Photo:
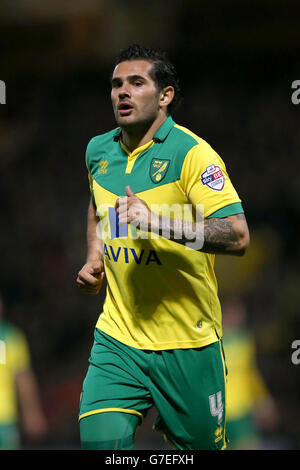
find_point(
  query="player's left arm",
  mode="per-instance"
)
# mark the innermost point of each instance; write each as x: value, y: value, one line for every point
x: 227, y: 235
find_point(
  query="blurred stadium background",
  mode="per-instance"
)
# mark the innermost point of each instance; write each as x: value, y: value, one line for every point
x: 237, y: 61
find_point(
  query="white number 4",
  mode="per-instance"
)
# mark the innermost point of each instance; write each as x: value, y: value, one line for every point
x: 216, y: 405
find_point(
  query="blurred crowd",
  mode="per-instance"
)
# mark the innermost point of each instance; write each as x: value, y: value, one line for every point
x: 44, y: 129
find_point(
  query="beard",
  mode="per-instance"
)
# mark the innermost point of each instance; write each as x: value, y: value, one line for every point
x: 137, y: 125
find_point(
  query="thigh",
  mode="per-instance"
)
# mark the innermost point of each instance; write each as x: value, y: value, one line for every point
x: 189, y: 393
x: 114, y: 381
x: 111, y: 430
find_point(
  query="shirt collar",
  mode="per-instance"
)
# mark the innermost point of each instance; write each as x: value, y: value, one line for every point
x: 159, y: 136
x: 162, y: 133
x: 117, y: 134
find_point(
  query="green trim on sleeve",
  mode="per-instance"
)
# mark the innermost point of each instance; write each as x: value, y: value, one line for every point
x: 231, y: 209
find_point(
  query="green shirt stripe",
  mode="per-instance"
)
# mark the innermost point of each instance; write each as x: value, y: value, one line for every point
x: 231, y: 209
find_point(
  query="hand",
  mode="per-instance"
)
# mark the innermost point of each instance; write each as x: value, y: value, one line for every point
x: 90, y: 277
x: 130, y: 208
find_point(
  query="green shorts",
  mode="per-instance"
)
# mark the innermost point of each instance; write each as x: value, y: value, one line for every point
x: 9, y: 437
x: 187, y: 387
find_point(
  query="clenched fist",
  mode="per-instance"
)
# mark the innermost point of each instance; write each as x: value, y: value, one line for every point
x: 90, y: 277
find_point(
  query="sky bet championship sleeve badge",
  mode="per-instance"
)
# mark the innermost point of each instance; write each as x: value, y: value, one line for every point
x: 158, y: 169
x: 213, y: 178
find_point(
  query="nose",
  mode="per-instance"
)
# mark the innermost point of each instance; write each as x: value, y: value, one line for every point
x: 124, y: 92
x: 123, y: 95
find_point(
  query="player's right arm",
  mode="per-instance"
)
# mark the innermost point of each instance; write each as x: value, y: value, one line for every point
x: 90, y: 277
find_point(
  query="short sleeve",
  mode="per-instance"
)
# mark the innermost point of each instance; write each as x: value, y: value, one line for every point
x: 91, y: 184
x: 19, y: 352
x: 87, y: 162
x: 205, y: 181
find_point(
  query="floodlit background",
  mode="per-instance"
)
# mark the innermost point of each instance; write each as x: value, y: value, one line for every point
x: 237, y: 61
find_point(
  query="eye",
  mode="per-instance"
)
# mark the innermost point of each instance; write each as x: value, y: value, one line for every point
x: 116, y: 83
x: 138, y: 83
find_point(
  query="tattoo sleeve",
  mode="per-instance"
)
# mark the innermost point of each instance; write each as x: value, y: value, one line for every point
x: 217, y: 235
x: 220, y: 235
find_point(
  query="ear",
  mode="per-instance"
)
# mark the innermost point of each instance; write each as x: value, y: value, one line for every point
x: 166, y: 96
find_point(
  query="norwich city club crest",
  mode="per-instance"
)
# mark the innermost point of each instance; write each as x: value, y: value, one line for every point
x: 158, y: 169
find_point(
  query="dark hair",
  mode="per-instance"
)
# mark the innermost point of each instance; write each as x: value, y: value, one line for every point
x: 163, y: 72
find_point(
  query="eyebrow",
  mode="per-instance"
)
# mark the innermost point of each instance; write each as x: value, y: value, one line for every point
x: 129, y: 77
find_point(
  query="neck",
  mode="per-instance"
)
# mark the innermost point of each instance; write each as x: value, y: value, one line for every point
x: 142, y: 134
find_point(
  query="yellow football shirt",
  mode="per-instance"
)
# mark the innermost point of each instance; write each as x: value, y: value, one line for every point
x: 160, y: 294
x: 14, y: 359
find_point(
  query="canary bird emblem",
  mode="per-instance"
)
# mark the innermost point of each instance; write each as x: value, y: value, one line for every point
x: 158, y: 169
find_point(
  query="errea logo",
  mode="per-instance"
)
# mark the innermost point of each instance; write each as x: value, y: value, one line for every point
x: 219, y: 434
x: 103, y: 167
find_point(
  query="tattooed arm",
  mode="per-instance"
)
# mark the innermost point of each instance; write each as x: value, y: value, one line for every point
x: 228, y: 235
